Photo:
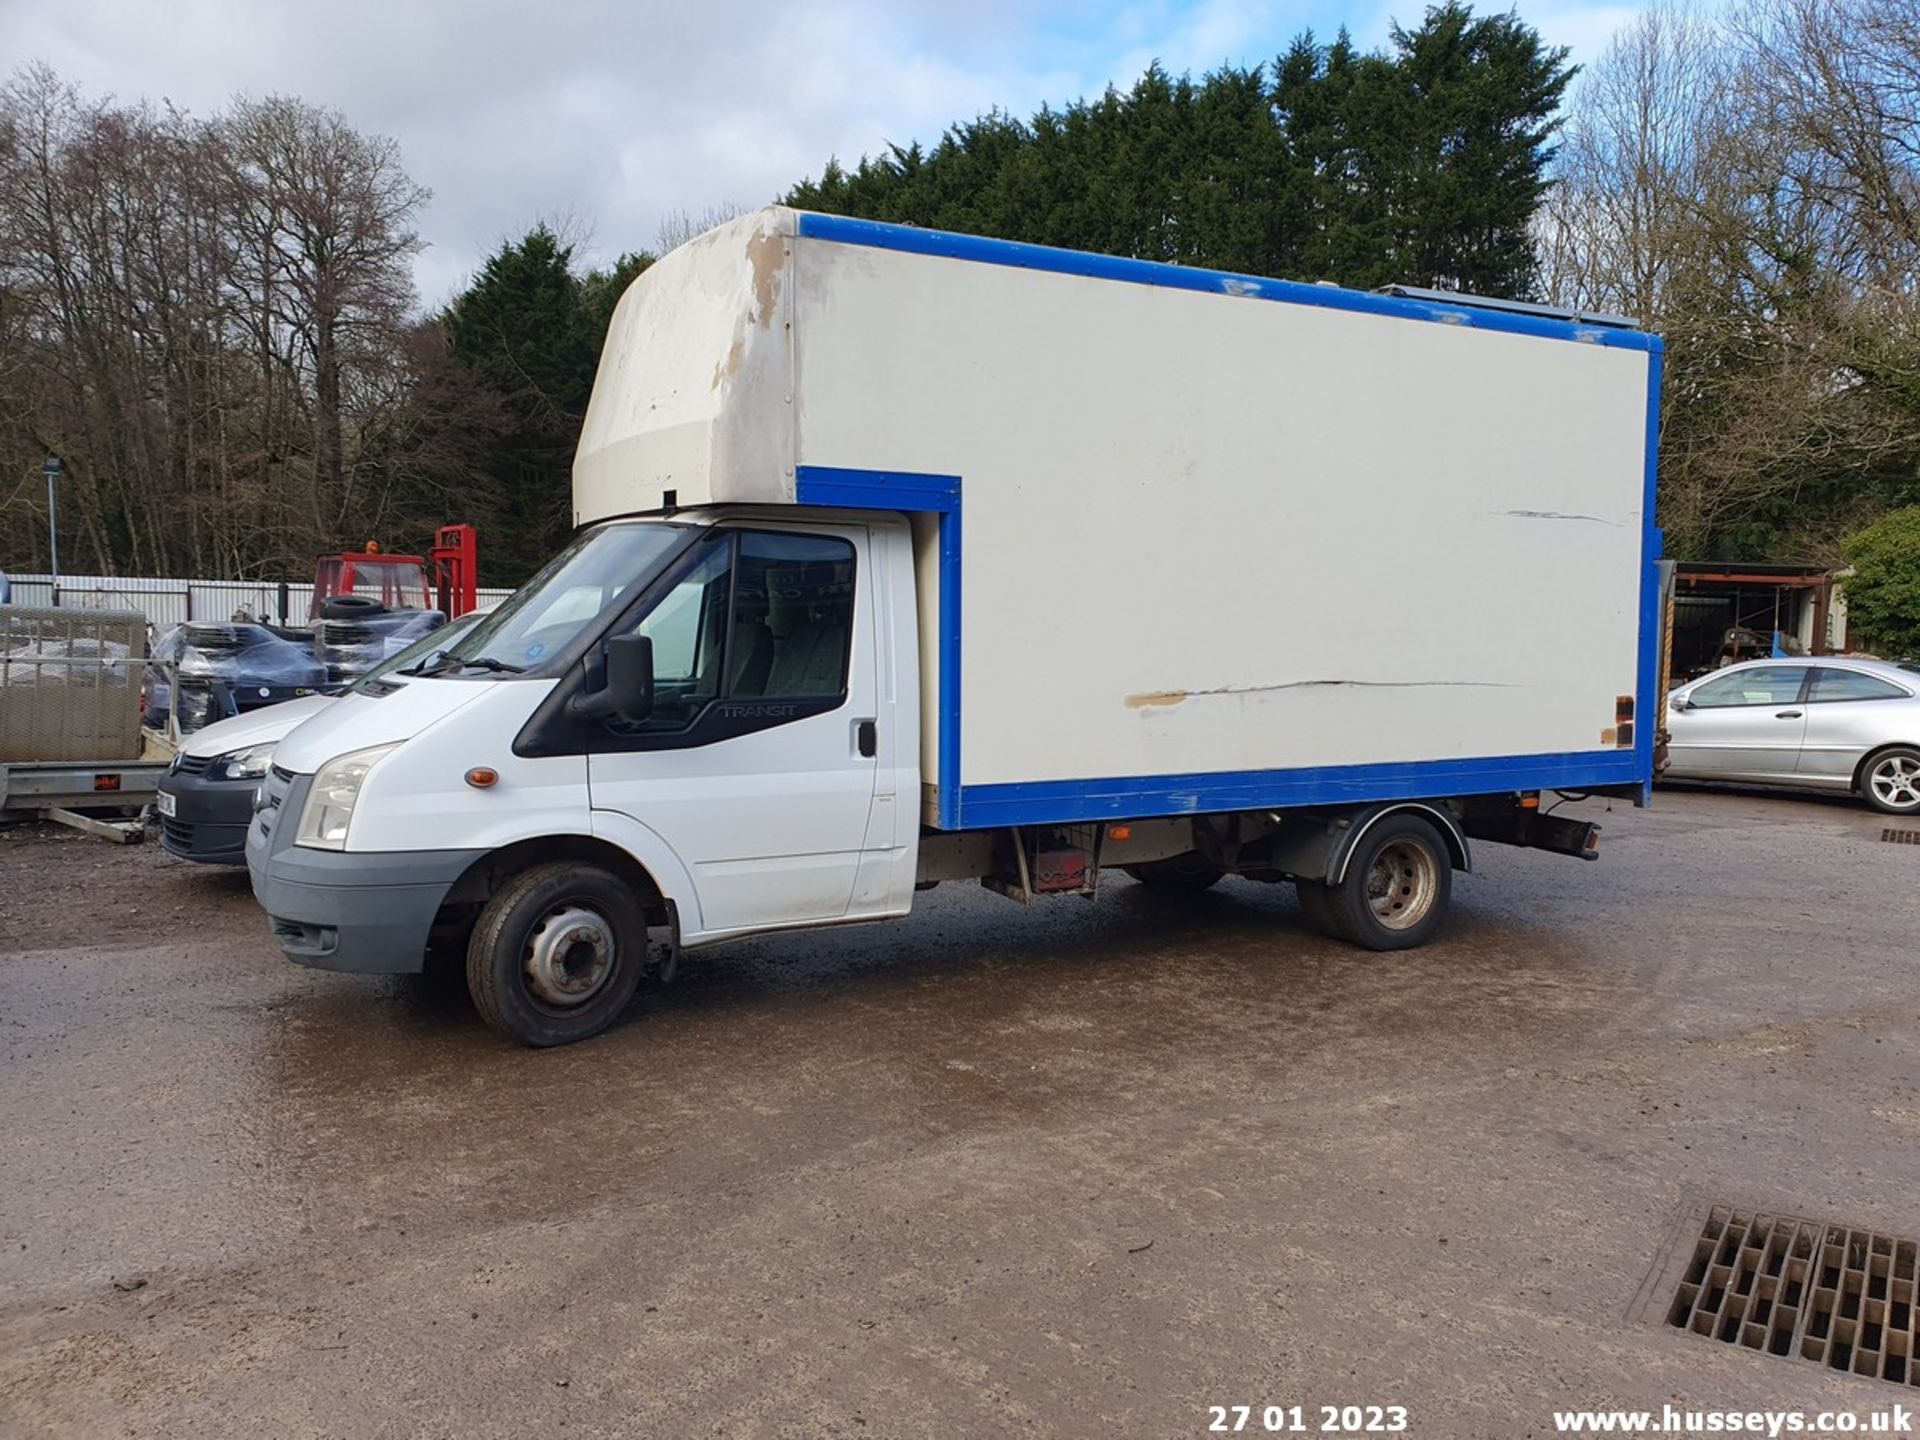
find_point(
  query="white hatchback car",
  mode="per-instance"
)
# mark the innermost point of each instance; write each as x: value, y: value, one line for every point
x: 1814, y: 721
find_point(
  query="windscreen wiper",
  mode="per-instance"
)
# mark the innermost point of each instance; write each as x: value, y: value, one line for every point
x: 445, y: 662
x: 420, y: 667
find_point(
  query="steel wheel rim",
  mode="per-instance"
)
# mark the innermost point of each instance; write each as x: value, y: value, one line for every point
x: 1402, y: 882
x: 1896, y: 782
x: 569, y: 955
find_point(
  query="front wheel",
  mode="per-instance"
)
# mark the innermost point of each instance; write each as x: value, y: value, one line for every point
x: 557, y: 954
x: 1396, y: 889
x: 1891, y: 781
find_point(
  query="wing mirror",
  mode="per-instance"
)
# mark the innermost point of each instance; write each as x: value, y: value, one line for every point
x: 1680, y: 704
x: 628, y: 692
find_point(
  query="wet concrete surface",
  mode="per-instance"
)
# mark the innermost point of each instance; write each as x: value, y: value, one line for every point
x: 1081, y: 1171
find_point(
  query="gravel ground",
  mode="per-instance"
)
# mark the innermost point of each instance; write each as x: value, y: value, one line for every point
x: 1081, y: 1171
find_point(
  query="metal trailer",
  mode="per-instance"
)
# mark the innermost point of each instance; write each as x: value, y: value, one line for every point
x: 70, y: 734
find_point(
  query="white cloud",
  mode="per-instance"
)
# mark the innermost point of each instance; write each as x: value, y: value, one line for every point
x: 610, y: 115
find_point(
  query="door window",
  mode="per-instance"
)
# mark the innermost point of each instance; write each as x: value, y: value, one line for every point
x: 1831, y: 684
x: 792, y: 617
x: 687, y: 627
x: 1762, y: 685
x: 763, y: 617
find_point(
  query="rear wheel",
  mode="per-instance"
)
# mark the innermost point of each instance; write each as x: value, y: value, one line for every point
x: 557, y: 953
x: 1395, y: 892
x: 1182, y: 875
x: 1890, y: 781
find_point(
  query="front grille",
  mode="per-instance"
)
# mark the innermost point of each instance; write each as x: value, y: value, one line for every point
x: 177, y: 832
x: 273, y: 794
x: 192, y: 764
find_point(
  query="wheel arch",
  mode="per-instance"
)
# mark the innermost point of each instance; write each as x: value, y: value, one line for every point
x: 1866, y: 761
x: 485, y: 875
x: 1366, y: 820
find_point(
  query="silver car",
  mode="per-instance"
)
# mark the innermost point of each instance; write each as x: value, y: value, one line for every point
x: 1819, y: 722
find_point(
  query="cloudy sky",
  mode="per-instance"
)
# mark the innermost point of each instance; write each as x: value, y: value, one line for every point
x: 604, y: 116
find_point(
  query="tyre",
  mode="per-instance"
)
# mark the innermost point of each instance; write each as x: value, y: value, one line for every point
x: 557, y: 953
x: 1182, y: 875
x: 1890, y: 781
x: 1397, y: 886
x: 350, y: 607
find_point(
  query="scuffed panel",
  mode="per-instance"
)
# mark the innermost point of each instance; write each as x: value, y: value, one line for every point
x: 1211, y: 532
x: 691, y: 395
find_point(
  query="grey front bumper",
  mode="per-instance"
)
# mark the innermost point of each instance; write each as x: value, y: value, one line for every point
x: 368, y: 913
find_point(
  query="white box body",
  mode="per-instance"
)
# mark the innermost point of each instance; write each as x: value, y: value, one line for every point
x: 1189, y: 541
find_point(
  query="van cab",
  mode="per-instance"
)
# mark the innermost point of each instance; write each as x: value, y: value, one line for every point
x: 679, y: 723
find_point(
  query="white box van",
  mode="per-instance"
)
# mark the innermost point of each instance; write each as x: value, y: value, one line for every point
x: 909, y: 557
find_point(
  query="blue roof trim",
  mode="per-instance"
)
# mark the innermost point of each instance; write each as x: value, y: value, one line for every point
x: 1139, y: 797
x: 912, y: 241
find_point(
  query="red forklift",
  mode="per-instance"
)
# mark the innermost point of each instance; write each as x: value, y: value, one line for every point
x: 370, y: 580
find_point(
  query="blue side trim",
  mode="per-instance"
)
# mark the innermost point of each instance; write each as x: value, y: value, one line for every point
x: 914, y: 241
x: 1065, y: 801
x: 1137, y: 797
x: 926, y: 494
x: 1651, y: 708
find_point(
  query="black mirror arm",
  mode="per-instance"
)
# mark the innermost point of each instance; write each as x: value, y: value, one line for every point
x: 597, y: 706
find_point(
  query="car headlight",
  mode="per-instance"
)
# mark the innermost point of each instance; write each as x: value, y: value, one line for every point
x: 246, y: 764
x: 336, y: 789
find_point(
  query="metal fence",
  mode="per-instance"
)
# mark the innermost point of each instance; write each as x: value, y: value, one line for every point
x: 167, y: 602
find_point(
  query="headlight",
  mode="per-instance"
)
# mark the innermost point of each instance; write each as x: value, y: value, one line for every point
x: 336, y: 789
x: 248, y: 764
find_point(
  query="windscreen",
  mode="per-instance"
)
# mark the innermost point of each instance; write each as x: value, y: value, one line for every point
x: 602, y: 568
x: 428, y: 646
x: 398, y: 585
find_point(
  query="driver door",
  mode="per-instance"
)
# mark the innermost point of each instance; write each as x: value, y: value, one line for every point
x: 751, y: 764
x: 1745, y: 723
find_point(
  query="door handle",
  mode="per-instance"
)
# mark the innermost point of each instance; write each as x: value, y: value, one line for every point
x: 866, y: 739
x: 1788, y: 715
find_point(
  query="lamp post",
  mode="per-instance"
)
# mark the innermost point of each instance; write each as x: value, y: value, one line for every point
x: 51, y: 468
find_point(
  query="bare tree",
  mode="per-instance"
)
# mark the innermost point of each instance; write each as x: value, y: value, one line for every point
x: 1626, y: 214
x: 325, y: 213
x: 203, y: 319
x: 679, y: 225
x: 1746, y: 187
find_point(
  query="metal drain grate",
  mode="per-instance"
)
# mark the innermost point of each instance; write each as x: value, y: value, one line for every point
x: 1901, y: 837
x: 1840, y: 1297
